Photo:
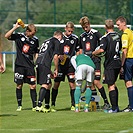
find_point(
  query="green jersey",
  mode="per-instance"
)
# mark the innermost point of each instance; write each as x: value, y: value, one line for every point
x: 84, y: 59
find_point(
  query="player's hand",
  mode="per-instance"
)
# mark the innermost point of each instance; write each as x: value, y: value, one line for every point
x: 55, y: 73
x: 52, y: 75
x: 61, y: 57
x: 121, y: 70
x: 17, y: 25
x: 2, y: 69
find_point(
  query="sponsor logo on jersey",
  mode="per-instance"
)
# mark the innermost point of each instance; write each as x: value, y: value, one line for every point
x: 26, y: 48
x: 88, y: 47
x: 72, y: 41
x: 32, y: 42
x: 91, y: 37
x: 84, y: 39
x: 62, y: 41
x: 22, y: 39
x: 66, y: 49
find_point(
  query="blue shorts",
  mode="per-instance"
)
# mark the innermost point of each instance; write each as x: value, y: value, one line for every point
x: 128, y: 69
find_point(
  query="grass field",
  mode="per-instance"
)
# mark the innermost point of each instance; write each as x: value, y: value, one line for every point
x: 64, y: 120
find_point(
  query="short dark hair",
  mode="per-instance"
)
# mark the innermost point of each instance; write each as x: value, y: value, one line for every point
x: 121, y: 19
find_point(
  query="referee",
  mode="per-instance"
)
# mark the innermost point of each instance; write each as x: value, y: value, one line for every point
x: 127, y: 58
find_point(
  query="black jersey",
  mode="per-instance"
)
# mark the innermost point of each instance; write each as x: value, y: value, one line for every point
x: 26, y: 48
x: 111, y: 44
x: 89, y: 41
x: 69, y: 45
x: 48, y: 49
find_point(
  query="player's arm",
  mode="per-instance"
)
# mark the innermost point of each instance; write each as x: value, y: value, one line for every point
x: 124, y: 47
x: 73, y: 61
x: 55, y: 60
x: 2, y: 68
x: 96, y: 52
x: 9, y: 33
x: 124, y: 53
x: 100, y: 49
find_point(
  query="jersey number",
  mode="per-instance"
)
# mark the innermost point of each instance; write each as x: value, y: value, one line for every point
x: 44, y: 47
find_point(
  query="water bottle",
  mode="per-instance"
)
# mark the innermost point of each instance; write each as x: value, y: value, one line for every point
x: 20, y: 22
x: 93, y: 104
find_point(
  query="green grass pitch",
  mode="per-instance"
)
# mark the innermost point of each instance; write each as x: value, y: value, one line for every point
x: 64, y: 120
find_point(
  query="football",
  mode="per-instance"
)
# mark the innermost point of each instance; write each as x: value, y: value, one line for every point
x: 101, y: 54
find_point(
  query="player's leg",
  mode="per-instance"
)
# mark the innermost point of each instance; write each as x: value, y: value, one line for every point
x: 47, y: 97
x: 19, y: 80
x: 77, y: 95
x: 71, y: 80
x: 54, y: 92
x: 88, y: 94
x: 43, y: 78
x: 110, y: 79
x: 80, y: 75
x: 100, y: 86
x: 89, y: 81
x: 31, y: 80
x: 72, y: 90
x: 33, y: 95
x: 57, y: 80
x: 128, y: 82
x: 19, y: 96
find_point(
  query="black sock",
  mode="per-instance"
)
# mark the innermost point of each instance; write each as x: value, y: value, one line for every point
x: 72, y: 97
x: 33, y: 96
x: 117, y: 95
x: 42, y: 93
x: 103, y: 95
x: 19, y: 96
x: 54, y: 95
x: 112, y: 96
x: 47, y: 99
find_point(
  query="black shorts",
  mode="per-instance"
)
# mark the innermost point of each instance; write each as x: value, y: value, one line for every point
x: 97, y: 71
x: 110, y: 76
x: 24, y: 75
x: 67, y: 70
x: 43, y: 74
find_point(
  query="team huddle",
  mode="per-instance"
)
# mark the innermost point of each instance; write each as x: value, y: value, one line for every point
x: 79, y: 59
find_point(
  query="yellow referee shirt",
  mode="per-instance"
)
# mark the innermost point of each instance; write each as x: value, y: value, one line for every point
x: 127, y: 42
